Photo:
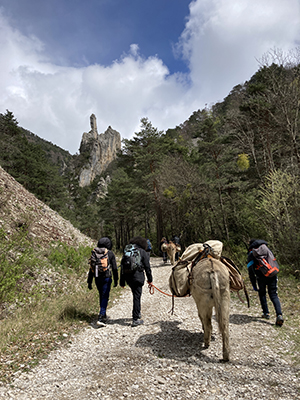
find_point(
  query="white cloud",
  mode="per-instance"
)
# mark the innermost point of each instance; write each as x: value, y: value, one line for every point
x: 223, y: 39
x: 221, y: 42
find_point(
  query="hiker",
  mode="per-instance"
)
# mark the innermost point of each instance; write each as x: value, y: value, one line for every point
x: 136, y: 278
x: 149, y: 248
x: 263, y: 282
x: 176, y: 240
x: 164, y: 253
x: 102, y: 254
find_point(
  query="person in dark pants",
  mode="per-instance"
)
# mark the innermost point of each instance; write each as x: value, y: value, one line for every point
x: 164, y: 253
x: 103, y: 275
x: 136, y: 279
x: 176, y: 240
x: 264, y: 283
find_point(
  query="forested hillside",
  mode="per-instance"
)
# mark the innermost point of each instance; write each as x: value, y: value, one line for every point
x: 230, y: 172
x: 240, y: 180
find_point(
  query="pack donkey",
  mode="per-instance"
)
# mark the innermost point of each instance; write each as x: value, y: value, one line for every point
x: 208, y: 281
x: 171, y: 249
x: 210, y: 288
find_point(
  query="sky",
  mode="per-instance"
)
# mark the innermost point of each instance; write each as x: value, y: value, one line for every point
x: 123, y: 60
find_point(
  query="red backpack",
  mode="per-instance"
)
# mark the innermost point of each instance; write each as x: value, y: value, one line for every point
x: 265, y: 262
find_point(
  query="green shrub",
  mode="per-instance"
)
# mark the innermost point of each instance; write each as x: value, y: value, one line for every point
x: 69, y: 258
x: 17, y: 263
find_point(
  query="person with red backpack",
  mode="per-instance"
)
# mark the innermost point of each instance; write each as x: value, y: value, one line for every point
x: 263, y: 268
x: 102, y: 267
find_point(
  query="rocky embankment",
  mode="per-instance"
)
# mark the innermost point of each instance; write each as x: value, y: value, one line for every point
x: 164, y: 359
x: 18, y: 208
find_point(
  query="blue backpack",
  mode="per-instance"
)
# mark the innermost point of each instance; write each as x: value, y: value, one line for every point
x: 149, y: 248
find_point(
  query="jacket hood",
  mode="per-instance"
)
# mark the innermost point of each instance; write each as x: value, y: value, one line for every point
x: 254, y: 243
x: 105, y: 242
x: 139, y: 241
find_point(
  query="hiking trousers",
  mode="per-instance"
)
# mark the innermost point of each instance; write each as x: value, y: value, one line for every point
x: 136, y: 289
x: 103, y: 286
x: 271, y: 284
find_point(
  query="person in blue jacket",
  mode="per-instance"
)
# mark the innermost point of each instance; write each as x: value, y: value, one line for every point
x: 103, y: 280
x: 263, y: 283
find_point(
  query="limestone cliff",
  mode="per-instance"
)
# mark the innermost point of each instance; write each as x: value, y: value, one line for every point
x: 101, y: 149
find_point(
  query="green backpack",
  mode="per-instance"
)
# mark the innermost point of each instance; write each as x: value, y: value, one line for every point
x: 131, y: 260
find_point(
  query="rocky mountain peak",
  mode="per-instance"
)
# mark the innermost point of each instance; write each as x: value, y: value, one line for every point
x: 101, y: 149
x: 93, y: 123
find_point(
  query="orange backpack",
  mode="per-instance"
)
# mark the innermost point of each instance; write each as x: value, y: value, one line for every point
x: 99, y: 260
x: 265, y: 262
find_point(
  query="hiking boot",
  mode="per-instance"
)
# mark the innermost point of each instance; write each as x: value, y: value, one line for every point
x: 266, y: 316
x: 137, y: 322
x: 279, y: 320
x: 102, y: 320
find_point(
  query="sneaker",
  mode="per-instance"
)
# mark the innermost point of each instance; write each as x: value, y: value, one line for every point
x: 279, y: 320
x: 102, y: 320
x: 266, y: 316
x: 137, y: 322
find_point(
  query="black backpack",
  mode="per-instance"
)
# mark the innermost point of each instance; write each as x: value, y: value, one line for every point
x: 265, y: 262
x: 131, y: 260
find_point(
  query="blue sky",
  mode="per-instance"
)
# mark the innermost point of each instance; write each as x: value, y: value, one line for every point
x: 79, y: 33
x: 62, y: 60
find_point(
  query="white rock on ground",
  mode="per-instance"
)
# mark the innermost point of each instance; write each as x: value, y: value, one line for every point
x: 164, y: 358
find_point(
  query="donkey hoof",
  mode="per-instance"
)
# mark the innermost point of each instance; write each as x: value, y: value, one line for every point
x: 224, y: 360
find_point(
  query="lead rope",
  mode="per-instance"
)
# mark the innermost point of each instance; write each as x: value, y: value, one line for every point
x: 152, y: 287
x: 173, y: 306
x: 151, y: 291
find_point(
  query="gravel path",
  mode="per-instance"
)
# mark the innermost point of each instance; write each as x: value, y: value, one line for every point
x: 164, y: 359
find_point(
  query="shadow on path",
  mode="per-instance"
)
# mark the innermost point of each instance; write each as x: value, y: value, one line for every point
x: 175, y: 343
x: 242, y: 319
x: 110, y: 321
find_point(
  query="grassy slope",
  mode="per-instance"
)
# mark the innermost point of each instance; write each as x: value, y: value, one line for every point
x: 30, y: 331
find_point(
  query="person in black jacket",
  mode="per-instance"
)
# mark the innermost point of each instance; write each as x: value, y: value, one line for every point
x: 103, y: 279
x: 136, y: 280
x: 263, y: 282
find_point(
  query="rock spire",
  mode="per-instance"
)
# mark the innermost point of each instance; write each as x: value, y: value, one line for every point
x: 101, y: 150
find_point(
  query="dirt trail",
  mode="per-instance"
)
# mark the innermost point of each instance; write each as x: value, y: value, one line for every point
x: 164, y: 358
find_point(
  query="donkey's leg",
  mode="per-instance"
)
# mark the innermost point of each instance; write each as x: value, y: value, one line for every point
x: 205, y: 315
x: 224, y: 323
